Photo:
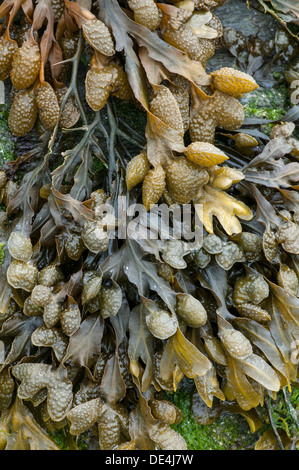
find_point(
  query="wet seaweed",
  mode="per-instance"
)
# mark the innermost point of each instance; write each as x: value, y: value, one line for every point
x: 96, y: 327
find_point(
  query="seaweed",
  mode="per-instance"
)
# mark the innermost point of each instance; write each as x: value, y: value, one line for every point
x: 104, y: 315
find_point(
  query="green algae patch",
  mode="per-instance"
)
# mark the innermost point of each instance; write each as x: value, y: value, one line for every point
x: 65, y: 441
x: 231, y: 431
x: 285, y: 412
x: 7, y: 143
x: 228, y: 432
x: 60, y: 438
x: 267, y: 103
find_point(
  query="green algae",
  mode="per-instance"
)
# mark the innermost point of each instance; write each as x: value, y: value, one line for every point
x: 2, y: 253
x: 7, y: 142
x: 231, y: 431
x: 60, y: 439
x: 267, y: 103
x: 98, y: 165
x: 65, y: 441
x: 285, y: 412
x: 228, y: 432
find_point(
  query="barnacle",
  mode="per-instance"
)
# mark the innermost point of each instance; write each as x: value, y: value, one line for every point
x: 48, y: 106
x: 137, y: 170
x: 52, y: 313
x: 205, y: 154
x: 288, y: 236
x: 92, y: 286
x: 58, y: 8
x: 98, y: 36
x: 232, y: 253
x: 254, y: 312
x: 270, y: 245
x: 165, y: 107
x: 70, y: 319
x: 50, y: 275
x: 181, y: 96
x: 110, y: 301
x: 166, y: 271
x: 184, y: 180
x: 70, y: 113
x: 30, y: 309
x: 288, y: 279
x: 74, y: 246
x: 224, y: 177
x: 212, y: 244
x: 153, y: 186
x: 251, y: 288
x: 233, y: 82
x: 219, y: 109
x: 7, y: 50
x: 99, y: 83
x: 23, y: 113
x: 6, y: 389
x: 22, y: 275
x: 181, y: 35
x: 41, y: 295
x: 35, y: 377
x: 191, y: 310
x: 160, y: 323
x: 174, y: 253
x: 50, y: 338
x: 25, y: 65
x: 94, y: 237
x: 236, y: 344
x: 19, y: 246
x: 146, y: 13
